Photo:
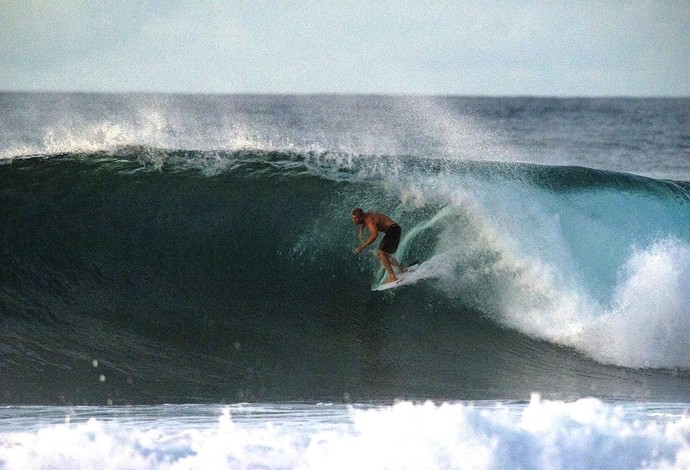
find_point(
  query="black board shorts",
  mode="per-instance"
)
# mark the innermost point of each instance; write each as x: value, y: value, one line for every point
x: 391, y: 240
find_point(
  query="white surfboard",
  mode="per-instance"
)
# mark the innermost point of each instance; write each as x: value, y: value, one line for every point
x: 407, y: 277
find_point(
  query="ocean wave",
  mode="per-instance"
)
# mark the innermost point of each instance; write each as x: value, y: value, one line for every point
x: 245, y: 257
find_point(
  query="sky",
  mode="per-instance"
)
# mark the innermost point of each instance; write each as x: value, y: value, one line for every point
x: 485, y: 47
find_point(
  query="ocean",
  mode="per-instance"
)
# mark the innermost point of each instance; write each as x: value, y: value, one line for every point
x: 178, y: 287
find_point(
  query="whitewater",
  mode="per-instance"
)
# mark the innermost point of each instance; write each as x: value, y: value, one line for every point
x: 178, y: 288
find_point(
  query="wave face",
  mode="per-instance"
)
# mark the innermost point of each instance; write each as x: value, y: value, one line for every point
x: 140, y: 274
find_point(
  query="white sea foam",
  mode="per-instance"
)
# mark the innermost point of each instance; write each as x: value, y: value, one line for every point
x: 646, y: 323
x: 650, y: 313
x: 542, y: 434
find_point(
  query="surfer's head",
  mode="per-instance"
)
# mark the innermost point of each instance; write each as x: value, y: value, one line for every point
x: 358, y: 216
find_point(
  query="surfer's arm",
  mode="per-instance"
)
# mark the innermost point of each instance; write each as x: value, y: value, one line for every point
x: 369, y: 241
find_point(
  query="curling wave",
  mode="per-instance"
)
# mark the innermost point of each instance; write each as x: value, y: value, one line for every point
x: 187, y: 273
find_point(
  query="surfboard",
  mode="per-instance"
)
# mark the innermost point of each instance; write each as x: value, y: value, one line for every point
x: 403, y: 278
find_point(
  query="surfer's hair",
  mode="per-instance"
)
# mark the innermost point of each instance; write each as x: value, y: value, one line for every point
x: 358, y: 212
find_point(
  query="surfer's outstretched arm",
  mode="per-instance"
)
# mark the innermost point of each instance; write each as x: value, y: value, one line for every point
x: 369, y: 241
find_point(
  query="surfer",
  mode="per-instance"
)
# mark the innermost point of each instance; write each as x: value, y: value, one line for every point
x: 375, y: 223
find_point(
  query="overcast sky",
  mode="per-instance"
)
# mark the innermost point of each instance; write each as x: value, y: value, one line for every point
x: 559, y: 48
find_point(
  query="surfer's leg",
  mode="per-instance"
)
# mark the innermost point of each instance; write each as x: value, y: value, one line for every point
x: 386, y: 262
x: 388, y: 247
x: 397, y: 264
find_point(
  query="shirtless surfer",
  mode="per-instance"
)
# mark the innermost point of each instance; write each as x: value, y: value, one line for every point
x: 375, y: 223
